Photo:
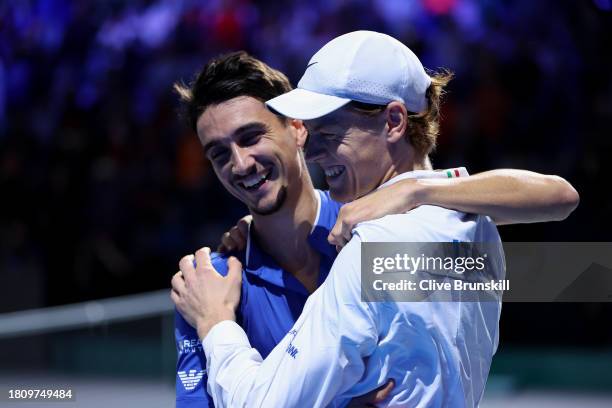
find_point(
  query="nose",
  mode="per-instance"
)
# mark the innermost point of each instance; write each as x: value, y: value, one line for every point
x: 242, y: 161
x: 314, y: 149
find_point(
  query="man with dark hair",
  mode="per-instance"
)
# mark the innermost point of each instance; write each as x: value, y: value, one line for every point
x: 227, y: 77
x: 256, y: 155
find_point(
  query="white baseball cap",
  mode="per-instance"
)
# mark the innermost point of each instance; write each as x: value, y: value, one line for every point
x: 363, y: 66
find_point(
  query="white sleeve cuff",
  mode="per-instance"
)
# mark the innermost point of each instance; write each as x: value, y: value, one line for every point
x: 224, y: 333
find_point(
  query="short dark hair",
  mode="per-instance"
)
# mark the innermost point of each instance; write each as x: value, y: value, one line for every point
x: 226, y: 77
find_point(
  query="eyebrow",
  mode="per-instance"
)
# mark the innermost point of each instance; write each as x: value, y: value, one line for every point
x: 250, y: 126
x: 242, y: 129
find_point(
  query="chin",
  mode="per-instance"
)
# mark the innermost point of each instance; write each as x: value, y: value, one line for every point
x: 274, y: 206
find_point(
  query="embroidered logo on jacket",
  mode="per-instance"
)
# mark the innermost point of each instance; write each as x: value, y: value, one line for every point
x: 192, y: 379
x: 291, y: 349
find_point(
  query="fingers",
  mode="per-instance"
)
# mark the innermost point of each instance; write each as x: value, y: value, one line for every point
x: 235, y: 239
x: 346, y: 227
x: 334, y: 235
x: 347, y: 234
x: 202, y: 263
x: 175, y: 297
x: 223, y: 245
x: 202, y: 258
x: 234, y: 268
x: 337, y: 235
x: 178, y: 283
x: 342, y: 232
x: 373, y: 397
x: 178, y: 286
x: 227, y: 242
x: 238, y: 238
x: 243, y: 225
x: 186, y: 265
x: 339, y: 241
x: 383, y: 391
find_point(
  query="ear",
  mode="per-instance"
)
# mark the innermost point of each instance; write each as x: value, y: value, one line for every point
x: 397, y: 121
x: 300, y: 132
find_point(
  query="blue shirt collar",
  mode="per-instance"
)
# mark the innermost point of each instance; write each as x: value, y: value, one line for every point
x: 262, y: 265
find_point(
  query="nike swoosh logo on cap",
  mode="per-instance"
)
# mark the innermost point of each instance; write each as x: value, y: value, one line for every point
x: 311, y: 64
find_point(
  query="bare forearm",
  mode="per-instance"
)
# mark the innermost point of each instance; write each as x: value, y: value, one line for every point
x: 508, y: 196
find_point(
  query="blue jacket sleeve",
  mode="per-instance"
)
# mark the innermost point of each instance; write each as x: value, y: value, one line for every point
x: 191, y: 376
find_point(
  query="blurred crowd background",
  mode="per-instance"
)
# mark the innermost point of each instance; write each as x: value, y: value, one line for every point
x: 103, y: 188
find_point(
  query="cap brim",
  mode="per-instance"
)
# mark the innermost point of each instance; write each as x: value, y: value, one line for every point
x: 305, y: 105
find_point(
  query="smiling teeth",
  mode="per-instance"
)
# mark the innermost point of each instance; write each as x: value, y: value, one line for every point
x: 251, y: 181
x: 333, y: 171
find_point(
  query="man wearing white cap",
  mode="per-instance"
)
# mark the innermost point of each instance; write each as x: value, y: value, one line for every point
x: 372, y: 115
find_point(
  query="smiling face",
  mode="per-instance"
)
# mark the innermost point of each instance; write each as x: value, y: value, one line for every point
x: 253, y: 152
x: 351, y: 149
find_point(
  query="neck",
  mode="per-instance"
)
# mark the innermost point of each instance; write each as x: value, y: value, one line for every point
x: 403, y: 162
x: 284, y: 234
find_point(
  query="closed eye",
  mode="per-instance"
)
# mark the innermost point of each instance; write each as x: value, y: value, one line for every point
x: 252, y: 137
x: 218, y: 155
